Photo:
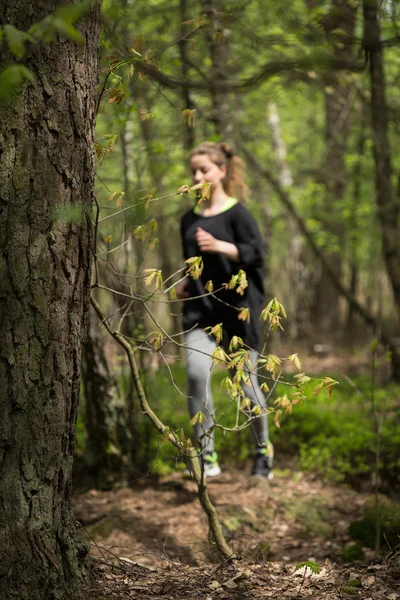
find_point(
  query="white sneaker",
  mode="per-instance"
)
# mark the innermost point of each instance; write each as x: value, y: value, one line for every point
x: 211, y: 466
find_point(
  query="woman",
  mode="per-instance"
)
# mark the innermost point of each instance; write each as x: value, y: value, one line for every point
x: 226, y: 236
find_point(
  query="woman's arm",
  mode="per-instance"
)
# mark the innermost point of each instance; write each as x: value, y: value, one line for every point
x: 208, y: 243
x: 247, y: 238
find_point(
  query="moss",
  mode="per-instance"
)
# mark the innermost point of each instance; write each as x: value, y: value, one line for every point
x: 388, y: 511
x: 353, y: 552
x: 238, y: 517
x: 103, y: 528
x: 311, y: 514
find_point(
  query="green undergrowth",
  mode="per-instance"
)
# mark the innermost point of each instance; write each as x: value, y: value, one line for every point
x: 332, y: 436
x: 337, y: 436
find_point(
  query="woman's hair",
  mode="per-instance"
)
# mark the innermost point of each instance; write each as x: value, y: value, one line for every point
x: 223, y: 154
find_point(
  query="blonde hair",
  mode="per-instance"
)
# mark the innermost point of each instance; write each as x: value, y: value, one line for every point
x: 223, y: 154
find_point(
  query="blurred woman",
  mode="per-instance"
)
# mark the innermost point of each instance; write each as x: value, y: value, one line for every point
x: 223, y: 232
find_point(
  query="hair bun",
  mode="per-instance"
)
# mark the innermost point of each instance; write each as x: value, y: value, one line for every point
x: 226, y: 149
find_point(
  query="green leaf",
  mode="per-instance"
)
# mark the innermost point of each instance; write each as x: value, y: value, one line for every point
x: 67, y: 30
x: 72, y: 13
x: 11, y: 79
x: 314, y: 567
x: 15, y: 40
x: 27, y: 73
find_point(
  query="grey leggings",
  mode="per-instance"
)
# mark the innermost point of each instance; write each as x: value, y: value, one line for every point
x: 198, y: 349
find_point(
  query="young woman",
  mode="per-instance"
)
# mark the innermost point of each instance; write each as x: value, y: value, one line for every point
x: 226, y: 236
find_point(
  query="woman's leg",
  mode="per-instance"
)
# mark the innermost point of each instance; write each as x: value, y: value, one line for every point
x: 253, y: 392
x: 198, y: 349
x: 264, y: 450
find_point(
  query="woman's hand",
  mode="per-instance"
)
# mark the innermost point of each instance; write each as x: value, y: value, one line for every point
x: 208, y: 243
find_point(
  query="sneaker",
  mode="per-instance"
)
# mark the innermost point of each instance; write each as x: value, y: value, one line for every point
x: 211, y: 466
x: 262, y: 464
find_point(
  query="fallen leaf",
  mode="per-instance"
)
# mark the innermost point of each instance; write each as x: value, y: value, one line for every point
x: 214, y: 585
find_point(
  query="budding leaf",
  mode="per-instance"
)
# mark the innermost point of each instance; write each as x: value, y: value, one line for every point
x: 294, y: 358
x: 155, y: 339
x: 242, y: 282
x: 219, y: 355
x: 244, y: 315
x: 139, y: 233
x: 209, y: 286
x: 235, y: 343
x: 154, y: 276
x: 216, y: 331
x: 195, y: 266
x: 198, y: 418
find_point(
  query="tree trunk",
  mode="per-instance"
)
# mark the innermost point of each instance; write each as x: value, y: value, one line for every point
x: 107, y: 435
x: 299, y: 301
x: 188, y: 131
x: 158, y: 166
x: 337, y: 110
x: 219, y: 48
x: 387, y: 200
x: 350, y: 328
x: 46, y: 186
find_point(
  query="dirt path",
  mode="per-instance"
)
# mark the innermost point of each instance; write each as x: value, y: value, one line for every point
x: 150, y: 540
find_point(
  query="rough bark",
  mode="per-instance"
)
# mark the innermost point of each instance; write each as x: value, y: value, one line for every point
x: 46, y: 169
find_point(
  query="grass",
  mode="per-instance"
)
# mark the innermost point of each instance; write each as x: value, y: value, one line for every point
x: 333, y: 436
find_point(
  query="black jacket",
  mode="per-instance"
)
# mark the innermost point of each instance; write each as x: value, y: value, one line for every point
x: 237, y: 226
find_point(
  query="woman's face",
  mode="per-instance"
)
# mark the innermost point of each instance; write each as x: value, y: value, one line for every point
x: 204, y: 170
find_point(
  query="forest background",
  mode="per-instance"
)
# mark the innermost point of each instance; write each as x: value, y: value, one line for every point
x: 306, y: 93
x: 289, y: 86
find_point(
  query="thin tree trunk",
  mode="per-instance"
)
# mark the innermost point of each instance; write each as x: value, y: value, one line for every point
x: 46, y: 174
x: 105, y: 419
x: 337, y: 110
x: 157, y: 169
x: 299, y: 301
x: 350, y: 332
x: 387, y: 200
x: 219, y: 48
x: 189, y: 130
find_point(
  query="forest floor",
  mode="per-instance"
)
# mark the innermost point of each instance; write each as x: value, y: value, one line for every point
x: 150, y: 541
